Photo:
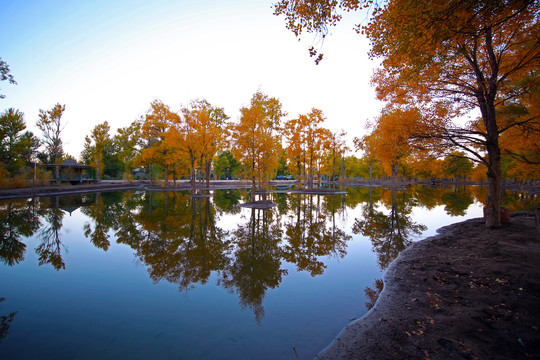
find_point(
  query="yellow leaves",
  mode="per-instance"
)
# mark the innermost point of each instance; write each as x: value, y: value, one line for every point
x: 158, y: 120
x: 390, y: 138
x: 254, y: 136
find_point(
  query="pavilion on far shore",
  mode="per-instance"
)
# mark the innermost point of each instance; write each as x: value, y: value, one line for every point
x: 72, y: 172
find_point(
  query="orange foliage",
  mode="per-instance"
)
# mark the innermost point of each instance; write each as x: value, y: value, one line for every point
x: 256, y: 140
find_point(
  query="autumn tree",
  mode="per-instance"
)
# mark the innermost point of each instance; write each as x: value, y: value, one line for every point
x: 305, y: 142
x: 203, y: 131
x: 520, y: 146
x: 159, y: 120
x: 426, y: 167
x: 468, y: 55
x: 5, y: 75
x: 390, y: 139
x: 256, y: 140
x: 50, y: 124
x: 295, y: 147
x: 95, y: 143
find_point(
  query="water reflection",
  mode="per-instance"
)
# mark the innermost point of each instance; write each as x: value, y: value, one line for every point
x: 256, y: 264
x: 180, y: 238
x: 175, y: 235
x: 50, y: 249
x: 103, y: 209
x: 17, y: 220
x: 392, y: 232
x: 310, y: 235
x: 5, y: 322
x: 372, y: 293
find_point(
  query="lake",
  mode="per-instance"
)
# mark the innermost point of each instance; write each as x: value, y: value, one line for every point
x: 144, y: 275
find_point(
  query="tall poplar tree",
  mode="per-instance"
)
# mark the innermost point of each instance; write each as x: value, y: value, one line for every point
x: 50, y: 124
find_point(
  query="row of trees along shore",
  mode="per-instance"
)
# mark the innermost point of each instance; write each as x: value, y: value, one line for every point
x: 438, y: 63
x: 200, y: 140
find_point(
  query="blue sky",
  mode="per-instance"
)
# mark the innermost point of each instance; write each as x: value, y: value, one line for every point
x: 107, y: 60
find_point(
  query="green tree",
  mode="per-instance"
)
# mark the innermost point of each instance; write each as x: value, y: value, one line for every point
x: 5, y: 75
x: 16, y: 146
x: 226, y: 166
x: 113, y: 166
x: 457, y: 165
x: 17, y: 220
x: 95, y: 144
x: 128, y: 142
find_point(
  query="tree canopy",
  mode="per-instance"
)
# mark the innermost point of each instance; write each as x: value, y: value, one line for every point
x: 50, y: 124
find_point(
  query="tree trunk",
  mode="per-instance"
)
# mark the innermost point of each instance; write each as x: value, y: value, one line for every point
x: 98, y: 177
x: 57, y: 167
x: 310, y: 181
x: 486, y: 99
x: 253, y: 181
x: 192, y: 175
x: 494, y: 195
x: 299, y: 176
x: 394, y: 173
x: 166, y: 181
x: 333, y: 170
x: 208, y: 168
x: 150, y: 171
x: 370, y: 172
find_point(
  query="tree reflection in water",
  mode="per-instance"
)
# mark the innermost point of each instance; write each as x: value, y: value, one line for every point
x: 372, y: 294
x: 50, y: 249
x: 309, y: 236
x: 17, y: 219
x: 257, y: 261
x: 176, y: 236
x: 104, y: 211
x: 389, y: 233
x: 5, y: 322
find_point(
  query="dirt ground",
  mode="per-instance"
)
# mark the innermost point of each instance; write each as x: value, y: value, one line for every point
x: 468, y: 293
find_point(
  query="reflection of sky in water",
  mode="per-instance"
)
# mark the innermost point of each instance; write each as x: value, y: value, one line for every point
x: 104, y: 304
x: 437, y: 217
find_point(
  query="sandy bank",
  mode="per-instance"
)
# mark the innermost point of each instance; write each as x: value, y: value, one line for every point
x: 468, y: 293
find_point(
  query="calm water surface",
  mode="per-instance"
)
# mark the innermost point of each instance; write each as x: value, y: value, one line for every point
x: 144, y: 275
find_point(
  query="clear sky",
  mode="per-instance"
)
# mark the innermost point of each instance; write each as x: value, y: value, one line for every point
x: 108, y: 60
